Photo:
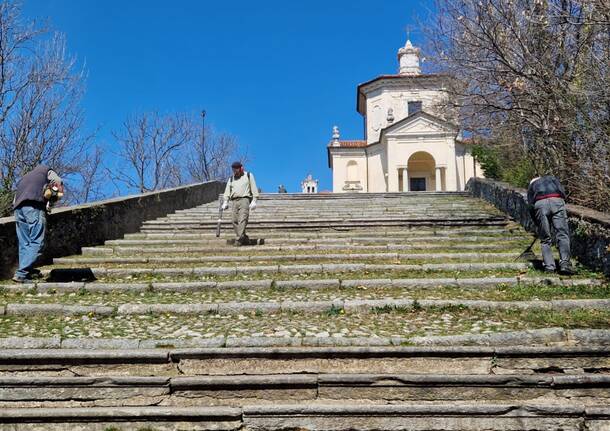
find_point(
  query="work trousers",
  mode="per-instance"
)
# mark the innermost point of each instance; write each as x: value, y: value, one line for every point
x: 30, y: 223
x: 552, y: 211
x: 241, y: 212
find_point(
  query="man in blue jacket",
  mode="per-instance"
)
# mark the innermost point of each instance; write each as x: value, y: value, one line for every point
x: 547, y: 198
x: 30, y: 218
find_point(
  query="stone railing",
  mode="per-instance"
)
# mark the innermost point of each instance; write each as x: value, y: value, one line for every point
x: 70, y: 228
x: 590, y: 230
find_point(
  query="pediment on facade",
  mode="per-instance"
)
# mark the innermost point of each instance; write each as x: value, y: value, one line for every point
x: 419, y: 124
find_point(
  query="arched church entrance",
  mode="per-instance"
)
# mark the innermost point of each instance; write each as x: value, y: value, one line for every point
x: 420, y: 173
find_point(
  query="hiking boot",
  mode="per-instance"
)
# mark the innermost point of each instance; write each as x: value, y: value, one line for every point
x: 22, y: 280
x: 567, y: 270
x: 34, y: 274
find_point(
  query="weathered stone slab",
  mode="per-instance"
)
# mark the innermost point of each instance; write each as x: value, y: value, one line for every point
x: 447, y: 417
x: 373, y: 282
x: 242, y: 307
x: 294, y: 269
x: 167, y: 308
x: 30, y: 342
x: 424, y: 365
x: 214, y: 271
x: 245, y: 284
x: 432, y: 387
x: 246, y: 388
x: 100, y: 343
x: 590, y: 336
x: 311, y: 306
x: 423, y: 282
x: 263, y: 341
x: 529, y: 337
x: 258, y: 269
x: 346, y: 341
x: 308, y: 284
x: 184, y: 286
x: 179, y: 343
x: 81, y: 388
x: 124, y: 419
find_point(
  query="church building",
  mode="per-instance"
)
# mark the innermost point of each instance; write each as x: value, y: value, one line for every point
x: 409, y: 144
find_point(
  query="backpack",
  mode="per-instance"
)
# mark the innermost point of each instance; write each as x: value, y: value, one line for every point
x: 231, y: 183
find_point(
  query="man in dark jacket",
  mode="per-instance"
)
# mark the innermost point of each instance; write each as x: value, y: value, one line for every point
x: 30, y: 218
x: 546, y: 196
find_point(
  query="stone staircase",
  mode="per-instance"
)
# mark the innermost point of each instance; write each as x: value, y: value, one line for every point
x: 347, y: 312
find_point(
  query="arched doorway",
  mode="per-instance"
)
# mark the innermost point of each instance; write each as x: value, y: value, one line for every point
x: 420, y: 172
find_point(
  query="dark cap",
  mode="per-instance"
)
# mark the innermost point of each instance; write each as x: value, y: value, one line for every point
x: 236, y: 165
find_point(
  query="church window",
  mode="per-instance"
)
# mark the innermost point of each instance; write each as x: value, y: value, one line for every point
x: 414, y: 106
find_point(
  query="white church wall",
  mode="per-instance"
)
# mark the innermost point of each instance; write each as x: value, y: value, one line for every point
x: 472, y: 167
x: 376, y: 171
x: 379, y: 101
x: 350, y: 170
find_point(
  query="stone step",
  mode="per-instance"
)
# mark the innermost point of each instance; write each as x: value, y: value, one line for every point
x: 144, y: 242
x: 236, y: 270
x: 430, y: 283
x: 481, y: 257
x: 90, y: 360
x: 467, y: 220
x: 270, y: 307
x: 311, y: 416
x: 218, y: 249
x: 328, y: 216
x: 196, y: 234
x: 240, y: 390
x: 121, y: 419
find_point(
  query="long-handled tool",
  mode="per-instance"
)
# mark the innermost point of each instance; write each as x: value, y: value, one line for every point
x: 220, y: 210
x: 528, y: 254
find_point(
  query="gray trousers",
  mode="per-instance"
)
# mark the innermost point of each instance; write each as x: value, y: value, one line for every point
x: 552, y: 211
x: 241, y: 212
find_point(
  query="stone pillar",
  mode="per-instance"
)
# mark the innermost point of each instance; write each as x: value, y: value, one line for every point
x: 405, y: 180
x: 439, y: 184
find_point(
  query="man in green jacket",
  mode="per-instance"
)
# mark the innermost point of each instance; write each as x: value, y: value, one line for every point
x: 241, y: 190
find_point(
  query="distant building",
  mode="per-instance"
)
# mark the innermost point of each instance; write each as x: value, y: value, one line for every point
x: 309, y: 185
x: 409, y: 144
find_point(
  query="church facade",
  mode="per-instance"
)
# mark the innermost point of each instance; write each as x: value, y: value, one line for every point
x: 409, y: 144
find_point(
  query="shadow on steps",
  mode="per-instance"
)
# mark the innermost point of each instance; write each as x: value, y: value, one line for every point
x: 66, y: 275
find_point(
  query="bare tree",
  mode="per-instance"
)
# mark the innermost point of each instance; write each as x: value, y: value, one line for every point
x: 536, y: 71
x: 151, y: 146
x: 210, y: 155
x: 40, y: 93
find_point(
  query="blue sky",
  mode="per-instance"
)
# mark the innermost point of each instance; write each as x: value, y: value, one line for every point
x: 276, y: 74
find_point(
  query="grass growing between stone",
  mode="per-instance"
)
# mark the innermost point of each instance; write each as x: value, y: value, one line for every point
x: 500, y: 292
x: 531, y: 272
x: 185, y: 263
x: 385, y: 322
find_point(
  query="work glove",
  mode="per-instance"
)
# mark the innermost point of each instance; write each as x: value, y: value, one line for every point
x: 532, y: 213
x: 253, y: 204
x: 225, y: 205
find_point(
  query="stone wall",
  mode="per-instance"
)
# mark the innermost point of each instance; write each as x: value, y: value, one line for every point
x: 71, y: 228
x: 590, y: 230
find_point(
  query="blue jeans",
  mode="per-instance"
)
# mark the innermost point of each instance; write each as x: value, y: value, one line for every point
x: 30, y: 223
